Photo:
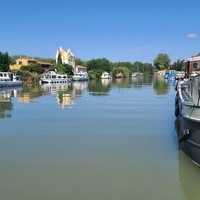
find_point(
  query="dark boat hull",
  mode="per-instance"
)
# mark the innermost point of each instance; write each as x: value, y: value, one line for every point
x: 189, y: 136
x: 188, y: 115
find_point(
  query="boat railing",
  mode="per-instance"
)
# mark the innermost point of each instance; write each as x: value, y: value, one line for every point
x: 187, y: 100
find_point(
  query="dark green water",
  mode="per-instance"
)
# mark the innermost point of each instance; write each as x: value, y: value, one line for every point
x: 93, y: 141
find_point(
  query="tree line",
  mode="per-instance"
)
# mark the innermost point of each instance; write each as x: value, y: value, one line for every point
x: 95, y: 67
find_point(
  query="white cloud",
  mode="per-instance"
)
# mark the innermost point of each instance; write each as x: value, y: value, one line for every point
x: 191, y: 35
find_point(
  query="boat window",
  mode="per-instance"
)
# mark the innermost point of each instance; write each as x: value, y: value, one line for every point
x: 196, y: 66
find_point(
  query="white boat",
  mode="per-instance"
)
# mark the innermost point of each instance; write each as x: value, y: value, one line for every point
x: 53, y: 77
x: 9, y: 79
x: 171, y: 76
x: 80, y: 76
x: 137, y: 74
x: 106, y: 75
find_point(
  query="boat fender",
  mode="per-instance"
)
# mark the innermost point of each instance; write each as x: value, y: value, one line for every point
x: 185, y: 135
x: 176, y: 112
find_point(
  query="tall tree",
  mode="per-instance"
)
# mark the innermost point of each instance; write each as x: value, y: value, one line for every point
x: 4, y: 62
x: 179, y: 65
x: 162, y: 61
x: 59, y: 59
x: 78, y: 61
x: 99, y: 64
x: 68, y: 69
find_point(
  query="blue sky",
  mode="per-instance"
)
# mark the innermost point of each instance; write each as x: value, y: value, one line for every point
x: 128, y: 30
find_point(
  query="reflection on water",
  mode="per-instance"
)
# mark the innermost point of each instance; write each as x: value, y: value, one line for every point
x: 66, y: 94
x: 52, y: 88
x: 6, y: 105
x: 170, y: 81
x: 106, y: 82
x: 189, y: 175
x: 137, y: 80
x: 61, y: 92
x: 117, y: 142
x: 160, y: 86
x: 79, y: 86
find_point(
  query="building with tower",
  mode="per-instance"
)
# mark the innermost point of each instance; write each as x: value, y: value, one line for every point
x: 66, y: 56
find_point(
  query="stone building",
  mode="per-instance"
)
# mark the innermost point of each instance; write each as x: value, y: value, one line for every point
x: 67, y: 56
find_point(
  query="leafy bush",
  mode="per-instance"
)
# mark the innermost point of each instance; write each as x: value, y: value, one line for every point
x: 122, y: 70
x: 33, y: 68
x: 62, y: 69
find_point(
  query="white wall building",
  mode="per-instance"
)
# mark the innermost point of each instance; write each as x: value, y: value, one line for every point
x: 80, y: 69
x: 67, y: 56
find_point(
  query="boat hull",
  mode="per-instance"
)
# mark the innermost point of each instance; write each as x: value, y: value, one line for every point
x: 137, y: 74
x: 106, y: 77
x: 189, y: 138
x: 54, y: 80
x: 80, y: 77
x: 9, y: 79
x: 10, y: 83
x: 188, y: 114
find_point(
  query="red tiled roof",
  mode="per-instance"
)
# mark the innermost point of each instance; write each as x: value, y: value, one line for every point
x: 43, y: 63
x: 80, y: 66
x: 30, y: 59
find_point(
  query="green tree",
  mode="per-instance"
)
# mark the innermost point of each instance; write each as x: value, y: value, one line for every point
x: 138, y: 67
x: 145, y: 68
x: 122, y: 70
x: 49, y: 60
x: 78, y: 61
x: 99, y: 64
x: 4, y: 62
x: 59, y: 59
x: 33, y: 68
x: 162, y: 61
x: 179, y: 65
x: 28, y: 77
x: 68, y: 69
x: 60, y: 69
x: 93, y: 75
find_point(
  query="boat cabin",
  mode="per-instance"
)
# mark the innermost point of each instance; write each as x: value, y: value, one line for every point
x: 8, y: 76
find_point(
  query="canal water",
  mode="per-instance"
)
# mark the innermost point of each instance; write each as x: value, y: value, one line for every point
x: 96, y: 140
